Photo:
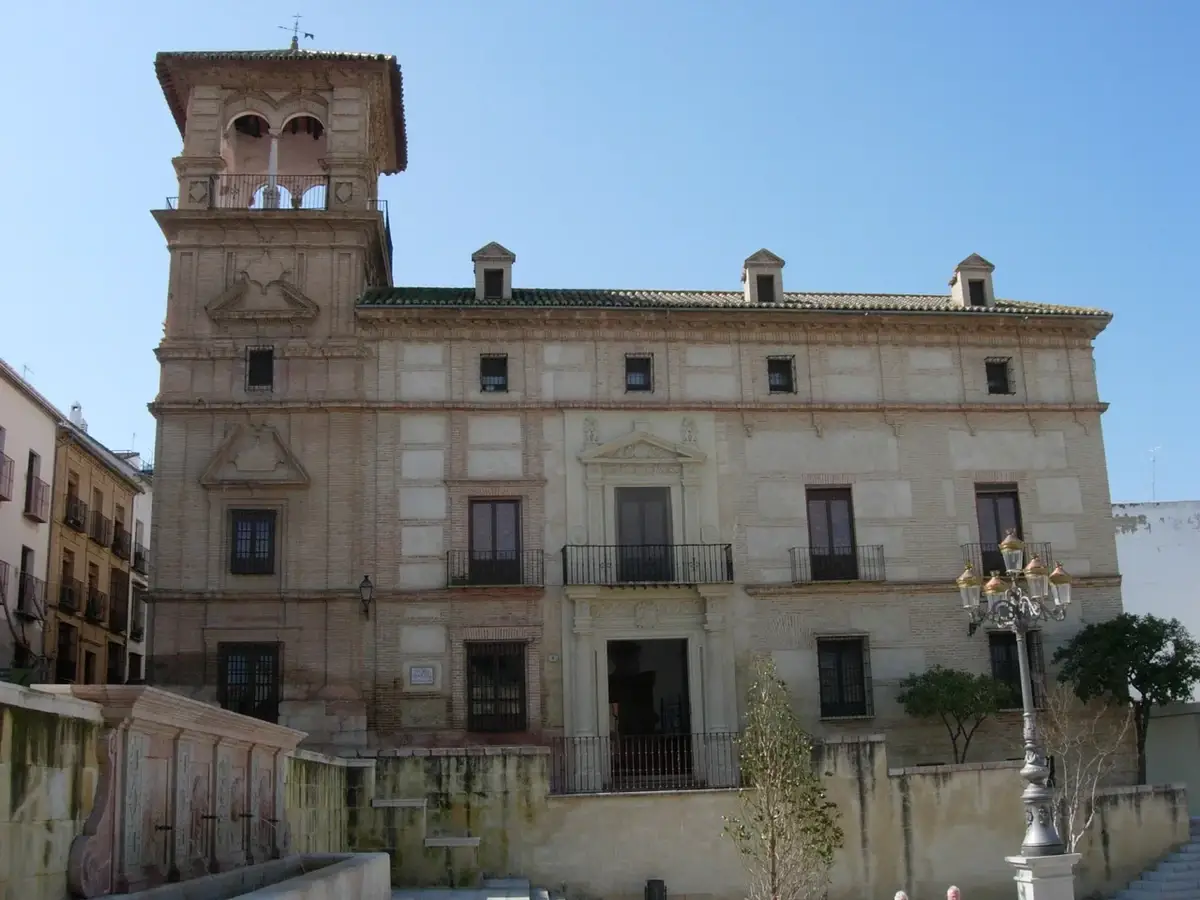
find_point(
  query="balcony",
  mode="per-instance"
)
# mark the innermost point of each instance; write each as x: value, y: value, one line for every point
x: 37, y: 500
x: 658, y: 762
x: 31, y: 597
x: 986, y: 558
x: 97, y: 605
x: 7, y: 467
x: 70, y: 595
x: 860, y: 563
x: 614, y: 565
x: 488, y: 568
x: 141, y: 559
x: 122, y: 542
x: 100, y: 529
x: 118, y: 614
x: 75, y: 515
x: 64, y: 670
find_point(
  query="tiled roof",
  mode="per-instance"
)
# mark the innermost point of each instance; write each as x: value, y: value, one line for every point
x: 178, y: 104
x: 537, y: 298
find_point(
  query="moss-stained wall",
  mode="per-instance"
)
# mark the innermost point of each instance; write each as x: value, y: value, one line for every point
x: 317, y: 803
x: 48, y: 775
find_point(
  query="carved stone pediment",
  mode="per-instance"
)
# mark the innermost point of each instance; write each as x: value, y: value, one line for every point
x: 641, y: 447
x: 254, y: 456
x: 261, y: 293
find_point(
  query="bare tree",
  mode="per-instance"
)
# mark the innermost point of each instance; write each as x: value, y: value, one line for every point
x: 787, y: 830
x: 1085, y: 741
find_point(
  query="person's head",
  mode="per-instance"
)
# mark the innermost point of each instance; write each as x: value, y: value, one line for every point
x: 953, y: 893
x: 900, y: 895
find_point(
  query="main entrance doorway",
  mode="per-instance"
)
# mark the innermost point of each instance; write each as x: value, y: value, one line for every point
x: 649, y: 715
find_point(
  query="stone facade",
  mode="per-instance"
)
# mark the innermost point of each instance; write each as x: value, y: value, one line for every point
x: 316, y: 426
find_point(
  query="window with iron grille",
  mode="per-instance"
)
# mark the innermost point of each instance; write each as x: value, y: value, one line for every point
x: 766, y: 288
x: 252, y: 542
x: 493, y: 373
x: 639, y: 372
x: 976, y: 293
x: 260, y: 368
x: 781, y: 374
x: 1006, y: 667
x: 248, y: 679
x: 493, y: 284
x: 496, y: 687
x: 844, y: 668
x: 998, y: 370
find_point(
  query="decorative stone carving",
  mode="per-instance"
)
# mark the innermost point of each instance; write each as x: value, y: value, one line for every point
x: 649, y: 612
x: 644, y: 448
x: 254, y: 456
x: 646, y: 614
x: 688, y: 430
x: 261, y: 293
x: 591, y: 431
x: 90, y: 861
x: 136, y: 788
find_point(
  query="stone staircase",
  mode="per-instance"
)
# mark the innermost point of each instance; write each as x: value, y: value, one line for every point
x: 492, y: 889
x: 1176, y: 878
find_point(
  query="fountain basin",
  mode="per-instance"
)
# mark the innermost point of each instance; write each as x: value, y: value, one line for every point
x: 309, y: 876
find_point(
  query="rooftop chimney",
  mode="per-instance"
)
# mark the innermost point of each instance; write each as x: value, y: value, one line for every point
x: 77, y: 418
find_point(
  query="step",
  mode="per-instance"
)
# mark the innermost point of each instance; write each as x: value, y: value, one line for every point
x: 521, y: 883
x: 1175, y: 866
x: 1177, y: 891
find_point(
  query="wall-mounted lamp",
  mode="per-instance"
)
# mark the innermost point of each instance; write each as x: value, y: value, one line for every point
x: 366, y: 593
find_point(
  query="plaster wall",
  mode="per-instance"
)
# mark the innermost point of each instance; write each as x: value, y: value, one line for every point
x: 1173, y: 749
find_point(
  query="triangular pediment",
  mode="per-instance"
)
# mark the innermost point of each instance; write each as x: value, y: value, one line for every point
x: 764, y: 258
x: 641, y: 447
x: 254, y: 456
x: 975, y: 261
x: 262, y: 293
x: 494, y: 252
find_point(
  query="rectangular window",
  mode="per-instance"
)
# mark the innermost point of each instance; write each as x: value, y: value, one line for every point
x: 495, y: 542
x: 252, y: 542
x: 493, y: 284
x: 89, y: 667
x: 639, y: 372
x: 260, y: 368
x: 493, y: 373
x: 766, y: 288
x: 976, y: 293
x: 999, y: 375
x: 845, y: 677
x: 248, y: 679
x: 1007, y: 668
x: 781, y: 374
x: 495, y: 686
x: 135, y: 668
x: 116, y: 663
x: 66, y: 654
x: 831, y: 544
x: 998, y: 509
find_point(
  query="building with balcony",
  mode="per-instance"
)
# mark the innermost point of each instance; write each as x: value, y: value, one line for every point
x: 92, y: 548
x: 391, y: 515
x: 139, y: 568
x: 28, y: 424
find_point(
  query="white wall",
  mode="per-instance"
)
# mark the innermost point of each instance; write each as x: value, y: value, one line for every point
x: 1157, y: 548
x: 27, y: 426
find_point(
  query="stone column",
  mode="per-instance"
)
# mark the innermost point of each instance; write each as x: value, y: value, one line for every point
x: 720, y: 754
x: 585, y: 762
x: 1045, y: 877
x: 198, y: 181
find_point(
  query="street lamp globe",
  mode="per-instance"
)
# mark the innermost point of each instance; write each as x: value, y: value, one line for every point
x: 968, y: 587
x: 1060, y: 586
x: 1013, y: 550
x: 1036, y: 579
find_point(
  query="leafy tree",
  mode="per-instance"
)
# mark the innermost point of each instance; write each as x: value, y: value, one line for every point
x: 1134, y: 661
x: 787, y: 829
x: 962, y: 701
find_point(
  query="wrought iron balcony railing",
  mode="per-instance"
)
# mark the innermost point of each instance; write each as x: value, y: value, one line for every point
x: 37, y: 500
x: 70, y: 595
x: 657, y: 762
x: 7, y: 468
x: 648, y: 564
x: 122, y: 542
x: 97, y: 605
x: 495, y: 568
x: 859, y: 563
x: 76, y: 513
x: 118, y: 613
x: 100, y: 530
x: 31, y: 596
x: 986, y: 558
x: 141, y: 559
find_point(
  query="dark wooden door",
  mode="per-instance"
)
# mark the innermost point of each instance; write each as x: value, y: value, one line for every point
x: 495, y: 542
x: 644, y: 535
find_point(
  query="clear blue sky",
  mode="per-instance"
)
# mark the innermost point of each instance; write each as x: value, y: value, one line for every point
x: 613, y: 143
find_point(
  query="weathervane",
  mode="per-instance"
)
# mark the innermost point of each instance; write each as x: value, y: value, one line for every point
x: 294, y: 28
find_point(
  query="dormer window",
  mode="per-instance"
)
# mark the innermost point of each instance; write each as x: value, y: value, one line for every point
x: 766, y: 288
x: 493, y: 284
x: 971, y: 283
x: 977, y: 292
x: 762, y: 278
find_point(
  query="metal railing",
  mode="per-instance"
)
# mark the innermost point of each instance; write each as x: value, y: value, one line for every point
x: 37, y: 500
x: 495, y: 568
x: 7, y: 468
x: 76, y: 513
x: 863, y: 562
x: 70, y: 595
x: 986, y: 558
x: 97, y: 605
x: 658, y: 762
x: 100, y: 529
x: 118, y: 613
x: 255, y: 191
x: 648, y: 564
x: 31, y: 596
x: 141, y: 559
x: 122, y: 542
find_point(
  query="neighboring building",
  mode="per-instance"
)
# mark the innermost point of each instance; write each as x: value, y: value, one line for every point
x: 578, y: 511
x: 139, y: 608
x: 1157, y: 545
x: 91, y: 552
x: 27, y: 434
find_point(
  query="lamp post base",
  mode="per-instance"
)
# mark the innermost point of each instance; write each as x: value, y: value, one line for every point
x: 1045, y: 877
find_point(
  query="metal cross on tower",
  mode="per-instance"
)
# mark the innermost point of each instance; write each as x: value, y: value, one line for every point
x: 294, y: 28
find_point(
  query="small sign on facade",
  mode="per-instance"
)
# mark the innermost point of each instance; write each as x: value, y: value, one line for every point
x: 421, y: 676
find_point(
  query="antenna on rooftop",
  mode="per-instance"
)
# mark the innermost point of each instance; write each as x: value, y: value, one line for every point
x: 294, y: 28
x: 1154, y: 473
x: 26, y: 372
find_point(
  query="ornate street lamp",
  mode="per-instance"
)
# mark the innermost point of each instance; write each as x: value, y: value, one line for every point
x: 1018, y: 601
